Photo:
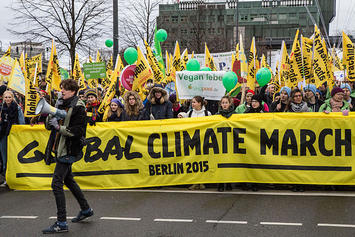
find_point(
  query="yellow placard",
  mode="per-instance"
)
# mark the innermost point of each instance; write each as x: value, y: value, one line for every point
x: 297, y: 148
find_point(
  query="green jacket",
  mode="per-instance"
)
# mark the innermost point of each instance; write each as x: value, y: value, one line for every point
x: 241, y: 109
x: 326, y: 106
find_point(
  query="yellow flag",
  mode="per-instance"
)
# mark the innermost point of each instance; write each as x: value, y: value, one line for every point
x: 265, y: 64
x: 243, y: 59
x: 6, y: 65
x: 337, y: 65
x: 307, y: 52
x: 78, y: 75
x: 349, y: 57
x: 276, y: 80
x: 8, y: 52
x: 17, y: 80
x: 153, y: 62
x: 53, y: 78
x: 296, y: 63
x: 142, y: 72
x: 177, y: 57
x: 184, y: 59
x: 98, y: 57
x: 32, y: 63
x: 31, y: 96
x: 105, y: 81
x: 285, y: 65
x: 209, y: 62
x: 251, y: 78
x: 320, y: 60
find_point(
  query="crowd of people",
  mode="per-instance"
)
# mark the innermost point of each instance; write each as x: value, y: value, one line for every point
x: 158, y: 104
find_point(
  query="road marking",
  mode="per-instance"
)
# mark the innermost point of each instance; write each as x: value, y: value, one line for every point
x: 174, y: 220
x: 120, y: 218
x: 262, y: 193
x: 335, y: 225
x: 281, y: 223
x: 68, y: 217
x: 19, y: 217
x: 227, y: 222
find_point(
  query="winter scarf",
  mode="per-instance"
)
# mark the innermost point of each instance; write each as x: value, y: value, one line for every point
x: 302, y: 107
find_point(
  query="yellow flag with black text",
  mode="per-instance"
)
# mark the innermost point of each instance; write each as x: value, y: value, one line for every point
x: 251, y: 78
x: 142, y: 73
x: 307, y: 52
x: 31, y: 96
x: 78, y: 75
x: 154, y: 64
x: 209, y: 62
x: 53, y: 78
x: 177, y: 58
x: 349, y: 57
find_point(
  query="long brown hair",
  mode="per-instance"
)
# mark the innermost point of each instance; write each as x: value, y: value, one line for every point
x: 118, y: 112
x: 132, y: 110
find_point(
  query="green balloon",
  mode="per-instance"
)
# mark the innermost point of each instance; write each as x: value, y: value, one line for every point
x: 161, y: 35
x: 229, y: 80
x: 109, y: 43
x: 263, y: 76
x: 130, y: 55
x: 206, y: 69
x: 193, y: 65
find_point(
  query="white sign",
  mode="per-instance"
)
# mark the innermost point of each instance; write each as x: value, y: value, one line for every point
x: 205, y: 84
x: 339, y: 75
x: 223, y: 61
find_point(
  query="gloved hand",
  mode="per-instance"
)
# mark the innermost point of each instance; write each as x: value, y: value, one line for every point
x: 54, y: 123
x: 92, y: 122
x: 345, y: 112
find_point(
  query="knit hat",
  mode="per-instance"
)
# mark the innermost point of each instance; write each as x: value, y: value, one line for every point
x: 311, y: 87
x: 90, y: 92
x: 2, y: 89
x: 172, y: 98
x: 346, y: 85
x: 258, y: 98
x: 287, y: 89
x: 117, y: 101
x: 251, y: 91
x: 336, y: 90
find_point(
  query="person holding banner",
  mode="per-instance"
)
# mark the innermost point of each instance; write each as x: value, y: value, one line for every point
x: 336, y: 103
x: 133, y: 107
x: 296, y: 103
x: 11, y: 113
x: 347, y: 92
x: 158, y: 105
x: 115, y: 111
x: 310, y: 96
x: 67, y: 147
x: 92, y: 107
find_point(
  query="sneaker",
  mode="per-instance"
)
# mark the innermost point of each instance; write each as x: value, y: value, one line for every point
x: 56, y: 228
x: 3, y: 185
x: 83, y: 215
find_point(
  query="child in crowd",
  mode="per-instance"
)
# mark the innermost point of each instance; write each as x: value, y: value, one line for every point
x: 115, y: 111
x: 92, y: 107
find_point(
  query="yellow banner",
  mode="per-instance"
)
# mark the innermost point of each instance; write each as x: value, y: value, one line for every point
x: 307, y: 51
x: 261, y: 148
x: 285, y: 65
x: 252, y: 70
x: 177, y: 58
x: 53, y: 77
x: 142, y: 72
x: 31, y: 97
x: 209, y: 62
x: 320, y: 60
x: 349, y: 57
x: 296, y: 63
x: 154, y: 64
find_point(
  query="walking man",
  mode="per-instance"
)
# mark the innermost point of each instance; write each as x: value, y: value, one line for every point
x: 67, y: 147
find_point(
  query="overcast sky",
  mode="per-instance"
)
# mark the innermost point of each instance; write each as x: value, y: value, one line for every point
x: 345, y: 15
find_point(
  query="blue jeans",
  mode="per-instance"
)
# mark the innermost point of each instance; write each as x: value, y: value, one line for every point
x: 3, y: 151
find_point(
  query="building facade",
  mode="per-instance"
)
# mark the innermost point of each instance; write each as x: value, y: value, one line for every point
x: 193, y: 23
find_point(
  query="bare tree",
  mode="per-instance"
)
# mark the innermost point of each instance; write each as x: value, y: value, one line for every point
x: 138, y: 22
x: 73, y: 24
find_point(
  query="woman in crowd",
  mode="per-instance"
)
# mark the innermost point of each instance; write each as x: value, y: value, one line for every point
x: 347, y: 96
x: 92, y: 107
x: 281, y: 104
x: 256, y: 105
x: 158, y: 105
x: 296, y: 103
x: 133, y: 107
x: 11, y: 113
x: 336, y: 103
x: 243, y: 107
x: 115, y: 111
x: 176, y: 105
x: 226, y: 109
x: 310, y: 97
x: 198, y: 110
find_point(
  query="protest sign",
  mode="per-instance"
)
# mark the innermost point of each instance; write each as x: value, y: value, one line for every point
x: 207, y: 84
x: 94, y: 70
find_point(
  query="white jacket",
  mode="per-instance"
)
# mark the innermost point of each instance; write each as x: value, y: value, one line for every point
x: 195, y: 113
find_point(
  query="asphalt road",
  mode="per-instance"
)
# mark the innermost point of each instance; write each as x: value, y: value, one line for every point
x: 170, y: 213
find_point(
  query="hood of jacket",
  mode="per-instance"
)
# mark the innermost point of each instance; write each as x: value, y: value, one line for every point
x: 164, y: 95
x: 135, y: 94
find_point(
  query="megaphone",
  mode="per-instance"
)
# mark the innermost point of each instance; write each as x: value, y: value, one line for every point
x: 44, y: 108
